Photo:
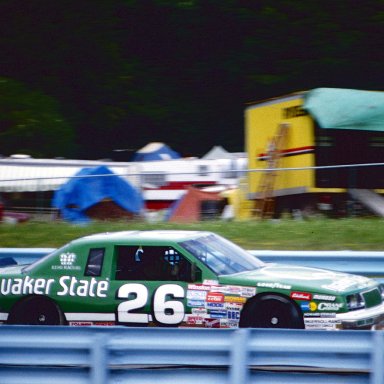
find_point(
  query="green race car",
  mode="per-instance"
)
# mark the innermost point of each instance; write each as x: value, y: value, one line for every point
x: 181, y: 279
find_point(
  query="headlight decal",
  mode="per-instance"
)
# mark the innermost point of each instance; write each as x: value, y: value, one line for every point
x: 381, y: 289
x: 355, y: 301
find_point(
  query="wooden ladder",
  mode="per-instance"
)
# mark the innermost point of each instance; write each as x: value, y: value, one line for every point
x: 265, y: 203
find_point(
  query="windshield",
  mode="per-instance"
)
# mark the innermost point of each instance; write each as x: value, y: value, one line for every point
x: 220, y: 255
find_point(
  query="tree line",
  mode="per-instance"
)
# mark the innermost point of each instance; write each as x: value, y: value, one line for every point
x: 85, y: 78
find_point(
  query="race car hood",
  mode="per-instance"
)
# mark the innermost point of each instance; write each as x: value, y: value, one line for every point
x: 282, y: 276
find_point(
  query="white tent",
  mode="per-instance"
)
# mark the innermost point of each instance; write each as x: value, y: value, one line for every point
x: 218, y: 152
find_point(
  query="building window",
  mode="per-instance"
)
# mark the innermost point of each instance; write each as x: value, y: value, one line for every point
x: 153, y: 180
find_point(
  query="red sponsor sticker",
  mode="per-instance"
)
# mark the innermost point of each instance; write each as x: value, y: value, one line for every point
x: 215, y: 297
x: 199, y: 287
x: 301, y: 296
x: 105, y: 323
x: 194, y: 320
x: 212, y: 323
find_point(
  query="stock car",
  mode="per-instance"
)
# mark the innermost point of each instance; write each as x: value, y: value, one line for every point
x: 181, y: 279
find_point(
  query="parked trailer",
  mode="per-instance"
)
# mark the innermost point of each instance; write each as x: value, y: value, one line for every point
x: 332, y: 139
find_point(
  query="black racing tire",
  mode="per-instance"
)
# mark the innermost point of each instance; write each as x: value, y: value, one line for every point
x: 271, y: 311
x: 36, y: 311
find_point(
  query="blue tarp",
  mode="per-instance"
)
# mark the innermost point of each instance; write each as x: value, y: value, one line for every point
x: 99, y: 183
x: 346, y: 108
x: 155, y: 152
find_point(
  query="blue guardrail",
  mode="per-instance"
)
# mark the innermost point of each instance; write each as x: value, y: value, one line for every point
x: 97, y: 355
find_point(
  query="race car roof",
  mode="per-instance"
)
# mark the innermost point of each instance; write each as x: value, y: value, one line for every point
x: 153, y: 235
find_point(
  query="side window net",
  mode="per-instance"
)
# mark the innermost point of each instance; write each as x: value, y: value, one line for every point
x: 152, y: 263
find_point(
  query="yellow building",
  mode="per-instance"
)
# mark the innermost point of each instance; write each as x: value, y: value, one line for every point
x: 314, y: 149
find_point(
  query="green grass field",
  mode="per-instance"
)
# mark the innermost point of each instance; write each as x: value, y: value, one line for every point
x: 317, y: 234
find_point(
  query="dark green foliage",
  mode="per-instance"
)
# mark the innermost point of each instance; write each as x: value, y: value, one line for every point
x: 31, y: 123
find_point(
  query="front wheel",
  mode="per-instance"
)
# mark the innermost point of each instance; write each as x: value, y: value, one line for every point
x: 36, y: 311
x: 271, y: 311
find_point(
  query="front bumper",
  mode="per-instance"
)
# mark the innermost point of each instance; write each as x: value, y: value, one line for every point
x: 362, y: 318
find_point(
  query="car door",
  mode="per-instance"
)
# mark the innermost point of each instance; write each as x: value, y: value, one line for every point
x: 151, y: 283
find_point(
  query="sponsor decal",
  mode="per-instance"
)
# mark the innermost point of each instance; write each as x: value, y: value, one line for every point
x: 320, y: 314
x: 26, y: 286
x: 232, y: 323
x: 194, y: 320
x: 212, y: 323
x: 216, y: 314
x: 105, y: 323
x: 233, y: 315
x: 274, y: 285
x: 224, y: 323
x: 80, y: 323
x: 73, y: 287
x: 220, y: 289
x: 329, y: 306
x: 209, y: 305
x: 324, y: 297
x: 215, y: 297
x: 199, y: 311
x: 67, y: 261
x: 248, y: 291
x: 68, y: 285
x: 210, y: 282
x: 235, y: 290
x: 196, y: 295
x: 197, y: 287
x: 308, y: 306
x: 89, y: 323
x: 235, y: 299
x: 233, y: 306
x: 301, y: 296
x: 195, y: 303
x: 318, y: 323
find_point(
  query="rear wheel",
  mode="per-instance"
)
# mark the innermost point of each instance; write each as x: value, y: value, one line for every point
x: 271, y: 311
x: 36, y: 311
